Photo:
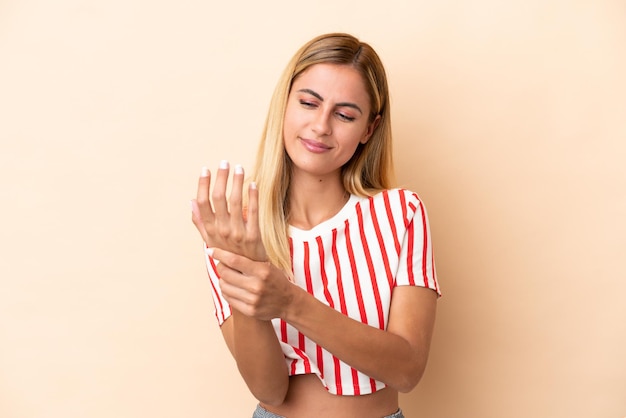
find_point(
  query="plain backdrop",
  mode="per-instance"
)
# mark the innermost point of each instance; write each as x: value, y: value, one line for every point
x: 509, y: 122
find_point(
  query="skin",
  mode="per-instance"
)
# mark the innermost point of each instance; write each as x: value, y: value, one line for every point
x: 327, y: 117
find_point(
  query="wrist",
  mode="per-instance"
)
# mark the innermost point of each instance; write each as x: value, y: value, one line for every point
x: 296, y: 300
x: 244, y: 320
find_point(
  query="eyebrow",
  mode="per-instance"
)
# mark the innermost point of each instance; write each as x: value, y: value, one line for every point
x: 320, y: 98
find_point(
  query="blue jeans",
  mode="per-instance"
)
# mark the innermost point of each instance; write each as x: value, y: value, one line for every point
x: 261, y: 412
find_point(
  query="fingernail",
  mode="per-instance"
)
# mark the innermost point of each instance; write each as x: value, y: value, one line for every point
x: 205, y: 172
x: 224, y: 165
x: 209, y: 251
x: 253, y: 185
x: 238, y: 169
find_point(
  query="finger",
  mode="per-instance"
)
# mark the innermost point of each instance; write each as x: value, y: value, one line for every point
x: 236, y: 301
x: 219, y: 195
x: 236, y: 217
x: 233, y: 284
x: 252, y: 220
x: 234, y: 261
x: 242, y: 293
x: 196, y: 218
x: 205, y: 211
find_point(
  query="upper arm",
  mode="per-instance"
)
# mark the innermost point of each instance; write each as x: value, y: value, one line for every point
x: 412, y: 317
x: 227, y: 333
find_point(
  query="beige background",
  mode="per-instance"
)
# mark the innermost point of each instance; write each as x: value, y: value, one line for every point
x: 509, y: 121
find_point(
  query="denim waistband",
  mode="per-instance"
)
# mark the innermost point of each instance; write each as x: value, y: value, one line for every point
x: 261, y: 412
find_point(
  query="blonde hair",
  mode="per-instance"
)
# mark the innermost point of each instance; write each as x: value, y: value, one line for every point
x: 367, y: 172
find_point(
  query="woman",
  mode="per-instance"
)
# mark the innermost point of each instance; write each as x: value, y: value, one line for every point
x: 324, y: 285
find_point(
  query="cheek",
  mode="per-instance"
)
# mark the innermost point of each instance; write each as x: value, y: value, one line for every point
x: 292, y: 123
x: 289, y: 131
x: 354, y: 135
x: 288, y: 120
x: 287, y: 128
x: 293, y: 112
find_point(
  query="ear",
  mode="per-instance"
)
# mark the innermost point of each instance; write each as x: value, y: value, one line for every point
x: 371, y: 127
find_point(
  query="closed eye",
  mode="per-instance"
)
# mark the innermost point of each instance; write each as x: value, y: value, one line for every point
x: 344, y: 117
x: 308, y: 104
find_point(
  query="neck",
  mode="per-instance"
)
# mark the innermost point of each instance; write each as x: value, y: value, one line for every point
x: 313, y: 200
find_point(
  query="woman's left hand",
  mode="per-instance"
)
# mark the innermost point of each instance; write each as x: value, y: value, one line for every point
x: 254, y: 288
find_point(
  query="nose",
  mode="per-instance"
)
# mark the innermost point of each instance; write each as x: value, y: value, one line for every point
x: 321, y: 123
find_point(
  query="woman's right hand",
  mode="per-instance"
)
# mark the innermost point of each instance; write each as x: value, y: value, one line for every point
x: 221, y: 221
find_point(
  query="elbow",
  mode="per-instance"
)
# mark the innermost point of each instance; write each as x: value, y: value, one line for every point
x: 406, y: 387
x: 275, y: 398
x: 273, y: 401
x: 272, y: 394
x: 409, y: 379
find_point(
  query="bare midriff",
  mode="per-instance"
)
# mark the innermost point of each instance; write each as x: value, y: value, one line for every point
x: 307, y: 397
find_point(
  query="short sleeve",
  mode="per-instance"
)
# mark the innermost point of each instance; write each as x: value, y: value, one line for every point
x: 222, y: 307
x: 416, y: 265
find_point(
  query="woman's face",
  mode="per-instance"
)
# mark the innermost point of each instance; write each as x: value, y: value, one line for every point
x: 327, y: 117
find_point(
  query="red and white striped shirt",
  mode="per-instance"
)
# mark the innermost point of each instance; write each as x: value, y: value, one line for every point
x: 352, y: 262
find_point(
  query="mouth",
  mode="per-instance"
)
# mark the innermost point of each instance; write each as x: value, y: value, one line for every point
x: 315, y: 146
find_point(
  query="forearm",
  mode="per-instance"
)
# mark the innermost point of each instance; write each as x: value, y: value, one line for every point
x: 259, y: 357
x: 380, y: 354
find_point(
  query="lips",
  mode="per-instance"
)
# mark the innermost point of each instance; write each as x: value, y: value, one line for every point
x: 315, y: 146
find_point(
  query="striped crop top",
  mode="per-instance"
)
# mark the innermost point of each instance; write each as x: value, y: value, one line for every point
x: 351, y: 263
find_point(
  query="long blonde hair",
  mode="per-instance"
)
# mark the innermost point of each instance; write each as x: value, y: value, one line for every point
x: 367, y: 172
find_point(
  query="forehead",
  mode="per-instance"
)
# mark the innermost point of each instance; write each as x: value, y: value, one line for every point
x: 333, y: 82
